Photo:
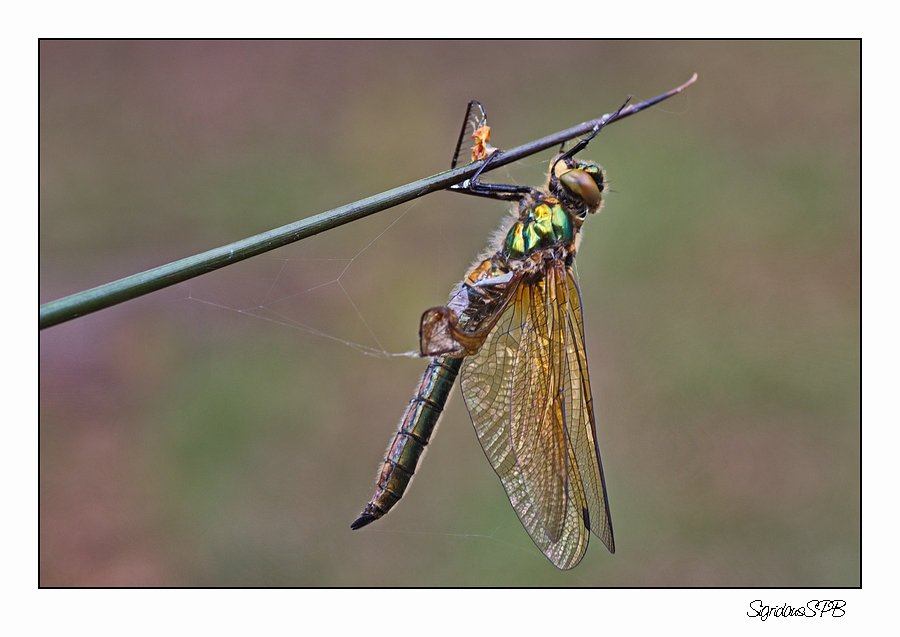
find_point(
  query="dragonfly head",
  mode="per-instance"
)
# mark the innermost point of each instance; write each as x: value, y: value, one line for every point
x: 580, y: 182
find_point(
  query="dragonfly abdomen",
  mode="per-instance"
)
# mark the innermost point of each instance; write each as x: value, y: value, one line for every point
x: 418, y: 423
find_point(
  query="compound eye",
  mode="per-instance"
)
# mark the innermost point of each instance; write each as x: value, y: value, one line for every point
x: 581, y: 184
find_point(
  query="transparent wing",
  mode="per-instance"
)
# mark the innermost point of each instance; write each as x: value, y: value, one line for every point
x: 581, y: 425
x: 528, y: 395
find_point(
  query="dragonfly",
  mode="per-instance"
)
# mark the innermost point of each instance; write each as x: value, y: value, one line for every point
x: 513, y: 332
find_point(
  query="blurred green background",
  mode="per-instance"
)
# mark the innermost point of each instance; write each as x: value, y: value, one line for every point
x: 226, y: 431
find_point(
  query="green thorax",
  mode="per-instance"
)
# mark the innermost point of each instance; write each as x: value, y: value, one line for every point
x: 540, y: 226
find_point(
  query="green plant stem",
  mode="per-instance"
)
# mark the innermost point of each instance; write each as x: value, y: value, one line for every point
x: 103, y: 296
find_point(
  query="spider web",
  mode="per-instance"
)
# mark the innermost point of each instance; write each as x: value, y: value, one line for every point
x: 337, y: 285
x: 302, y: 287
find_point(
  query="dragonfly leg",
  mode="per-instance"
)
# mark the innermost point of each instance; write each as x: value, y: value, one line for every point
x: 505, y: 192
x: 474, y: 113
x: 582, y: 143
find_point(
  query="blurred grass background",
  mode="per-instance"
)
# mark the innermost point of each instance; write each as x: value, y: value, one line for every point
x: 184, y: 441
